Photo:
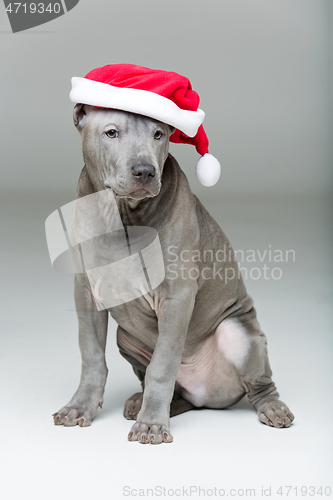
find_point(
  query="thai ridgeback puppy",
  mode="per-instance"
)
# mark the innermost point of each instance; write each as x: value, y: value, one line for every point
x: 194, y: 341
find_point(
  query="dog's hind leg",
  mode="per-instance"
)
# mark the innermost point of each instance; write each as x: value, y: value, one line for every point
x: 133, y: 404
x: 245, y: 345
x: 179, y: 405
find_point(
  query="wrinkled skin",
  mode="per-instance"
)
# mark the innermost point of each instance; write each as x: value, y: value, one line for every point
x: 191, y: 342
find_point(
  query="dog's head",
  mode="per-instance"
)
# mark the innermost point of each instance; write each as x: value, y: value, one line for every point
x: 123, y: 151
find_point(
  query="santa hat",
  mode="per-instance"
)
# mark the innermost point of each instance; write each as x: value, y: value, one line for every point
x: 162, y: 95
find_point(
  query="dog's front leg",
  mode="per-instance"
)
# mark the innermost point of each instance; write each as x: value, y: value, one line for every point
x: 153, y: 422
x: 92, y: 340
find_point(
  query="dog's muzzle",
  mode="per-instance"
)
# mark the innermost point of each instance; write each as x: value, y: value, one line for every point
x: 143, y: 173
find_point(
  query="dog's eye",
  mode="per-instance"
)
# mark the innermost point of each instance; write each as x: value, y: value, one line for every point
x: 158, y: 134
x: 112, y: 133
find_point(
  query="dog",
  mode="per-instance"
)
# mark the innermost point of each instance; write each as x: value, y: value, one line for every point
x: 194, y: 341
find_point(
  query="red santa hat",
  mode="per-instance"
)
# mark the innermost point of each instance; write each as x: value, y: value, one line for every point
x: 162, y: 95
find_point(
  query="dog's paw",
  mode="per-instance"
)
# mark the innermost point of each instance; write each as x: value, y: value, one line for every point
x: 133, y: 406
x: 275, y: 414
x: 79, y: 413
x: 150, y: 433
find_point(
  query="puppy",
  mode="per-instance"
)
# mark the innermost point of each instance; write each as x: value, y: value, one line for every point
x: 194, y: 340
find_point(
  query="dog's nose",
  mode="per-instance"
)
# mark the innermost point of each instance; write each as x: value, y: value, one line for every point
x: 144, y: 173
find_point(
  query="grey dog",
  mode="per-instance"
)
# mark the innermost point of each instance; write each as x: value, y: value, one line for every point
x: 191, y: 342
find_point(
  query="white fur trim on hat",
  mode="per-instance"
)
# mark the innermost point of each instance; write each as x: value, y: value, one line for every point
x: 143, y: 102
x: 208, y: 170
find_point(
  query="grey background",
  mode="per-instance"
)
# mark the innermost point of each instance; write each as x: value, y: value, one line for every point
x: 260, y: 67
x: 263, y: 69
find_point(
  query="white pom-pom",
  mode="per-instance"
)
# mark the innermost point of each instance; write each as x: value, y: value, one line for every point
x: 208, y: 170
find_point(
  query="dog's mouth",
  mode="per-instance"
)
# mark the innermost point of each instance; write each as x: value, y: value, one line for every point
x: 138, y: 193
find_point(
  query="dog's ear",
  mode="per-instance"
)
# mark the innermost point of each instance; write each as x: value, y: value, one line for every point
x: 172, y: 129
x: 80, y: 116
